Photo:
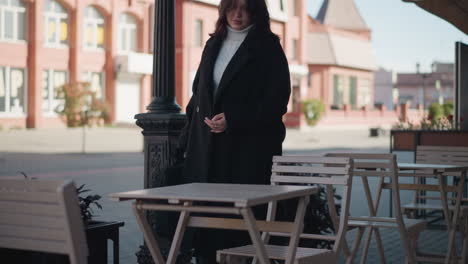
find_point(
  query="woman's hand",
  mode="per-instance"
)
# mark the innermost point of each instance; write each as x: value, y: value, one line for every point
x: 217, y: 123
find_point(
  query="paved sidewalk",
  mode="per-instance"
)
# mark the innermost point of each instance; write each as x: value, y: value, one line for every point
x: 109, y: 146
x: 99, y: 140
x: 72, y: 140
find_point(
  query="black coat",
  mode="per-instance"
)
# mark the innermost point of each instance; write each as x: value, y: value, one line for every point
x: 253, y: 94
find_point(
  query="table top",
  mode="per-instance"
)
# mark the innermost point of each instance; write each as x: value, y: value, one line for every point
x: 436, y: 167
x: 240, y: 194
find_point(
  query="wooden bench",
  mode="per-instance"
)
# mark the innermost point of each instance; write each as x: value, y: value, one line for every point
x: 42, y: 215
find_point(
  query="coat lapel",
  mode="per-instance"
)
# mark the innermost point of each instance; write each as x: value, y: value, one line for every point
x: 211, y: 55
x: 240, y: 58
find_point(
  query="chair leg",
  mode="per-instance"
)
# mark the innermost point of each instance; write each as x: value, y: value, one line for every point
x: 378, y: 238
x: 221, y: 258
x: 464, y: 234
x: 357, y: 242
x: 413, y: 247
x: 366, y: 246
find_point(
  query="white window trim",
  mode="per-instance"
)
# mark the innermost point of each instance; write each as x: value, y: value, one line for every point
x: 95, y: 22
x: 127, y: 28
x: 57, y: 19
x: 50, y: 88
x: 198, y: 45
x: 15, y: 10
x: 7, y: 94
x: 87, y: 78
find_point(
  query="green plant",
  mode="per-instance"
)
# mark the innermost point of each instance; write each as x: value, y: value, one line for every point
x: 87, y: 213
x: 435, y: 111
x: 85, y: 202
x: 448, y: 108
x: 440, y: 117
x: 313, y: 110
x: 80, y: 106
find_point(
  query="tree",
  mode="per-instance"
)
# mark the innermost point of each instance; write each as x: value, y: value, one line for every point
x: 80, y: 106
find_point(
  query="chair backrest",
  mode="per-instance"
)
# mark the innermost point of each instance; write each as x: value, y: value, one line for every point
x: 385, y: 168
x: 442, y: 155
x: 322, y: 171
x: 42, y: 215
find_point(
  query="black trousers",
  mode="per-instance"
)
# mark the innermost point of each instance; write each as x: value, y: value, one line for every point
x: 208, y: 241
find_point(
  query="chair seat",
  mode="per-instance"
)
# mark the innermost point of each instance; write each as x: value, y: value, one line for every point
x: 438, y: 207
x: 303, y: 255
x: 412, y: 225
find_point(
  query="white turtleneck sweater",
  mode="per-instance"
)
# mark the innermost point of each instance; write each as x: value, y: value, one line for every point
x: 229, y: 47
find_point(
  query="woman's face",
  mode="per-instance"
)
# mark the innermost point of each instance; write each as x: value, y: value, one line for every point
x: 237, y: 16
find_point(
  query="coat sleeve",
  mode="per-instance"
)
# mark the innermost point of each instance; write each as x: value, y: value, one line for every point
x: 272, y: 105
x: 183, y: 138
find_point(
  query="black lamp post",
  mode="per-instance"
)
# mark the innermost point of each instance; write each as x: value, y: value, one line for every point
x: 163, y: 122
x: 424, y: 77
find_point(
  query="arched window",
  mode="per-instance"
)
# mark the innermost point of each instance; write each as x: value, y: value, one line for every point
x: 56, y: 24
x: 12, y: 20
x: 127, y: 33
x: 94, y: 28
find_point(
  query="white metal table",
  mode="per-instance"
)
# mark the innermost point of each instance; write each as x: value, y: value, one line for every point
x: 236, y: 199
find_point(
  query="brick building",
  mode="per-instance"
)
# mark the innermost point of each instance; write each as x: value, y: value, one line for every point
x: 46, y: 43
x: 425, y: 88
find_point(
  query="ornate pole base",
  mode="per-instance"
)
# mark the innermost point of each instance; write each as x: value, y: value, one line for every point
x: 162, y: 167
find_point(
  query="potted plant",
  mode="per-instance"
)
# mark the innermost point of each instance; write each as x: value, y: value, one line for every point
x: 97, y: 232
x: 438, y: 128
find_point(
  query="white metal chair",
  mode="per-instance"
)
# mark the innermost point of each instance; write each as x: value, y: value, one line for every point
x: 42, y: 215
x: 323, y: 171
x: 384, y: 167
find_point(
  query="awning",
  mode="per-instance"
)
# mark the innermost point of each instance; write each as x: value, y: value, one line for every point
x: 453, y: 11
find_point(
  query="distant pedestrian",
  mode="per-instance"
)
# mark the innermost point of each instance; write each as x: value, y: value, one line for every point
x: 240, y: 93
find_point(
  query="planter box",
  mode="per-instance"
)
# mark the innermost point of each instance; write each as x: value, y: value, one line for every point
x: 97, y: 235
x: 407, y: 140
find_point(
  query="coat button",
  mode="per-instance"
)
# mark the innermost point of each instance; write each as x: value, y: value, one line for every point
x: 198, y: 109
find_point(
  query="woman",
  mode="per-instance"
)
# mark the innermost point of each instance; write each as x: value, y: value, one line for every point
x: 240, y: 93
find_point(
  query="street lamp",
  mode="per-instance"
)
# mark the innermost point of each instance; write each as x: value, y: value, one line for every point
x: 423, y: 76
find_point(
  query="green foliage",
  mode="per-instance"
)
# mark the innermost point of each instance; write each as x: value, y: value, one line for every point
x: 440, y: 117
x: 448, y: 109
x: 80, y: 107
x: 85, y: 202
x: 435, y: 111
x: 313, y: 110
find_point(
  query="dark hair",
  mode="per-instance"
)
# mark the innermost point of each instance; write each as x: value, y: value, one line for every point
x: 257, y: 10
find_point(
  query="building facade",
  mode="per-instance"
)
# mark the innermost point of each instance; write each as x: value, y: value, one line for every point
x: 422, y: 89
x: 384, y: 88
x: 340, y: 61
x: 46, y: 43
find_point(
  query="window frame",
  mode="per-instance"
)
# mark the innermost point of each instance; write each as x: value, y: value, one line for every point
x: 125, y: 26
x: 7, y: 79
x: 95, y: 22
x: 51, y: 86
x: 198, y: 38
x: 295, y: 5
x: 15, y: 10
x: 295, y: 49
x: 87, y: 77
x: 57, y: 20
